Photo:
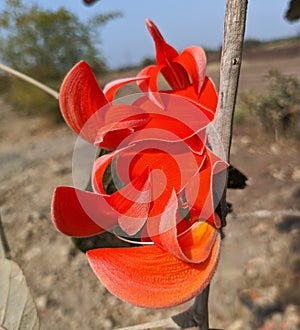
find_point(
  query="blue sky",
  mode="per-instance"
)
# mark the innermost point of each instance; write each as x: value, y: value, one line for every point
x: 126, y: 40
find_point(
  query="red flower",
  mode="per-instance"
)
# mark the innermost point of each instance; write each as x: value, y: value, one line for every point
x: 164, y: 177
x: 186, y: 249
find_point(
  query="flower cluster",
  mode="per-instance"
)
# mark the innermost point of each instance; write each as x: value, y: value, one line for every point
x: 164, y: 177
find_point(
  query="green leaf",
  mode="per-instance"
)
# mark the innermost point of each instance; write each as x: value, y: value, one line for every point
x: 17, y: 307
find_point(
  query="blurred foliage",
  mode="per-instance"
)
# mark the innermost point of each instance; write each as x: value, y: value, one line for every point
x: 29, y: 100
x: 45, y: 44
x: 279, y: 108
x: 147, y: 61
x: 250, y: 44
x: 244, y: 106
x: 213, y: 55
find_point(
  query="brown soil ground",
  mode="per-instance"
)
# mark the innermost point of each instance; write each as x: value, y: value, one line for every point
x: 257, y: 282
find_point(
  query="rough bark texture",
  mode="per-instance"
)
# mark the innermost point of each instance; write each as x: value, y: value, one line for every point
x: 231, y: 59
x: 234, y: 29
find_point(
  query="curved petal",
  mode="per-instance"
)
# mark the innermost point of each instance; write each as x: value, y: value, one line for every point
x: 150, y: 84
x: 193, y: 245
x: 99, y: 168
x: 193, y: 59
x: 157, y: 214
x: 78, y: 213
x: 197, y: 242
x: 118, y: 122
x: 150, y: 277
x: 199, y: 191
x: 205, y: 190
x: 174, y: 73
x: 132, y: 202
x: 112, y: 87
x: 176, y: 76
x: 164, y: 52
x: 208, y: 97
x: 171, y: 164
x: 177, y: 118
x: 206, y: 102
x: 80, y: 98
x: 161, y: 161
x: 197, y: 143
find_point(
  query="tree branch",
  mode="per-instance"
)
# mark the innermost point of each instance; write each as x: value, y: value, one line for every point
x: 234, y: 30
x: 231, y: 59
x: 29, y: 80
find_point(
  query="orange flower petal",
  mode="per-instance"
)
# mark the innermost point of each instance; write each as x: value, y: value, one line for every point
x: 208, y: 97
x: 165, y: 163
x: 112, y: 87
x: 118, y: 121
x: 206, y: 102
x: 171, y: 118
x: 197, y: 242
x: 193, y: 245
x: 80, y: 98
x: 79, y: 213
x: 150, y: 84
x: 193, y: 59
x: 150, y: 277
x: 132, y: 202
x: 205, y: 189
x: 198, y: 191
x: 173, y: 72
x: 99, y: 168
x: 164, y: 52
x: 175, y: 75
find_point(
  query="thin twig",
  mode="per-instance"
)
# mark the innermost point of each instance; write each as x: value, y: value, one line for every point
x: 4, y: 248
x: 30, y: 80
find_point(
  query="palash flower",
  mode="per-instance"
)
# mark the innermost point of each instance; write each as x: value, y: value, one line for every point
x: 167, y: 173
x: 186, y: 251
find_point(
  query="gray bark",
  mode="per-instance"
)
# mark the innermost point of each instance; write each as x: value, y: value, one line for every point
x: 231, y: 59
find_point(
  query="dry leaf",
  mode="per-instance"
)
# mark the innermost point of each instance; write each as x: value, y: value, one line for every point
x: 17, y: 307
